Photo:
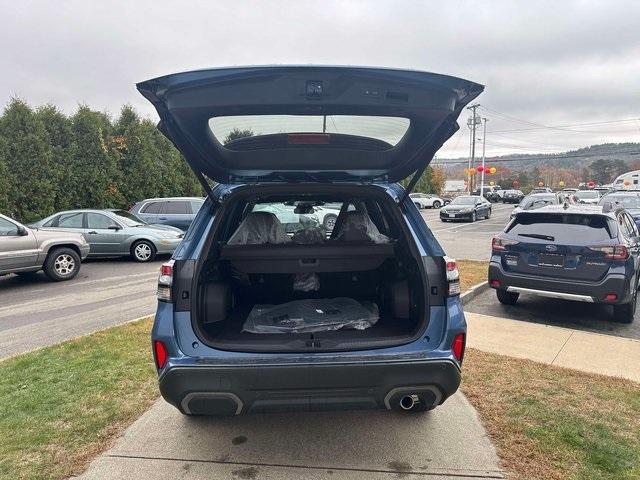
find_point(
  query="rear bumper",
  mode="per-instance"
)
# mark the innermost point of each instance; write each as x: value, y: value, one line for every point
x: 212, y: 390
x: 562, y: 288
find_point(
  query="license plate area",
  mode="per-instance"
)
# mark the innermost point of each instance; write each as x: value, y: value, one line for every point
x: 550, y: 260
x: 452, y: 215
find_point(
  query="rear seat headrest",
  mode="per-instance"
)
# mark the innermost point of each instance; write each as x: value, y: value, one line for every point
x: 259, y: 228
x: 358, y: 227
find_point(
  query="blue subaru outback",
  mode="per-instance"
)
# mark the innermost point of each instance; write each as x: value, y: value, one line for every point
x: 256, y: 316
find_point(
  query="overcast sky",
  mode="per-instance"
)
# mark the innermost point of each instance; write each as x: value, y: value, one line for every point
x: 556, y: 63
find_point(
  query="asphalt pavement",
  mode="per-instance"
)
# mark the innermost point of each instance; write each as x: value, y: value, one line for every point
x: 471, y: 241
x: 35, y: 312
x: 589, y: 317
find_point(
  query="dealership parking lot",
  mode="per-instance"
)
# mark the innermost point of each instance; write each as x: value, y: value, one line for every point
x: 36, y: 312
x: 468, y: 240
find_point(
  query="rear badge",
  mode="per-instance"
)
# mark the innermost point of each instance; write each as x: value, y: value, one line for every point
x: 551, y: 248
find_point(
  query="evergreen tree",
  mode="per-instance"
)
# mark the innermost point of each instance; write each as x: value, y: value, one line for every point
x: 96, y: 175
x: 31, y: 182
x: 60, y: 139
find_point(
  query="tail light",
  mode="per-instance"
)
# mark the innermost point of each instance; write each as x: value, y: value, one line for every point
x: 453, y: 276
x: 160, y: 353
x: 500, y: 244
x: 616, y: 252
x: 457, y: 346
x: 165, y: 281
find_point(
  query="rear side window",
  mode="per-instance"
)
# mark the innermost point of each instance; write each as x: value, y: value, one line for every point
x: 564, y: 228
x: 196, y: 204
x: 152, y: 207
x: 98, y: 221
x: 70, y: 220
x: 177, y: 208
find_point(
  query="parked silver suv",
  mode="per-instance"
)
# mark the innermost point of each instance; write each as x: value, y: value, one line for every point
x: 24, y: 249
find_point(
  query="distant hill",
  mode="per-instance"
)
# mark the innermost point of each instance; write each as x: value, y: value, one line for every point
x: 629, y: 153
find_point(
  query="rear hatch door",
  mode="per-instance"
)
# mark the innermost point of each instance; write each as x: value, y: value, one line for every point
x: 557, y: 245
x: 308, y: 123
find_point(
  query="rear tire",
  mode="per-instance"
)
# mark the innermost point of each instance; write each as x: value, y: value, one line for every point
x: 507, y: 298
x: 143, y: 251
x: 436, y: 204
x: 61, y: 264
x: 488, y: 214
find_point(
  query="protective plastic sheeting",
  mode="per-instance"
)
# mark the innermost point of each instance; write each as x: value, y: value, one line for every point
x: 312, y: 315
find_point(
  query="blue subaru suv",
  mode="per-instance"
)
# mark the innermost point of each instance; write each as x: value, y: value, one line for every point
x: 581, y: 253
x: 256, y: 317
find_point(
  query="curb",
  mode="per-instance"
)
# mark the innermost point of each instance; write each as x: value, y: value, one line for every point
x: 472, y: 293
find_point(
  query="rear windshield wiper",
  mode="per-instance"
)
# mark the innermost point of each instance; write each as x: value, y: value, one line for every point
x: 537, y: 235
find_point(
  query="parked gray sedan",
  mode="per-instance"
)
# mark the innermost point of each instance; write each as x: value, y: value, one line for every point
x: 27, y: 250
x: 116, y: 233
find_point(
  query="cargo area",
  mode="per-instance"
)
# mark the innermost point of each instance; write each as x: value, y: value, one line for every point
x: 278, y: 277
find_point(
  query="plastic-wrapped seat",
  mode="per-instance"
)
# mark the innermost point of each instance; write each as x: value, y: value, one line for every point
x: 259, y: 228
x: 358, y: 227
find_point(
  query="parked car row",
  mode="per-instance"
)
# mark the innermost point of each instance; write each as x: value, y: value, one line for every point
x: 59, y: 243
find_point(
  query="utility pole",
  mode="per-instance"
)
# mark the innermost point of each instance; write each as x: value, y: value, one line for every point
x: 484, y: 143
x: 471, y: 123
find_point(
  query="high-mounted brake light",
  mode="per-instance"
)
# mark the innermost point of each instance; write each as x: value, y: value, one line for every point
x: 500, y: 244
x: 308, y: 138
x: 457, y: 346
x: 160, y: 352
x: 165, y: 281
x: 617, y: 252
x: 453, y: 276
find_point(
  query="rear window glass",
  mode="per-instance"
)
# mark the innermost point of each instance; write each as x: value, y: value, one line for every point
x: 627, y: 201
x: 387, y: 129
x: 564, y: 228
x: 153, y: 207
x: 587, y: 194
x: 177, y: 208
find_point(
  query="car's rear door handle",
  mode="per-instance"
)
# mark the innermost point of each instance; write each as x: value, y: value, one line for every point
x: 93, y: 232
x: 162, y: 218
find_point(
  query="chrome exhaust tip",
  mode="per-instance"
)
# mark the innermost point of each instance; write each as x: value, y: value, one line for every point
x: 408, y: 402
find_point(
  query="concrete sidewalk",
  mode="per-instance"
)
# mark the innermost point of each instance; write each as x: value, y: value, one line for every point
x: 585, y: 351
x: 447, y: 443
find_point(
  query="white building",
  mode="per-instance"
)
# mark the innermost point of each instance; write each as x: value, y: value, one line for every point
x: 455, y: 186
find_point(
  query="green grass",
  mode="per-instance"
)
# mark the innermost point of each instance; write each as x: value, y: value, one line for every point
x: 553, y: 423
x: 61, y: 405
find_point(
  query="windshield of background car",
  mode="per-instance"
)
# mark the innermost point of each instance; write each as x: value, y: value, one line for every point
x: 566, y: 229
x: 587, y: 194
x: 463, y: 201
x: 129, y: 219
x: 627, y: 201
